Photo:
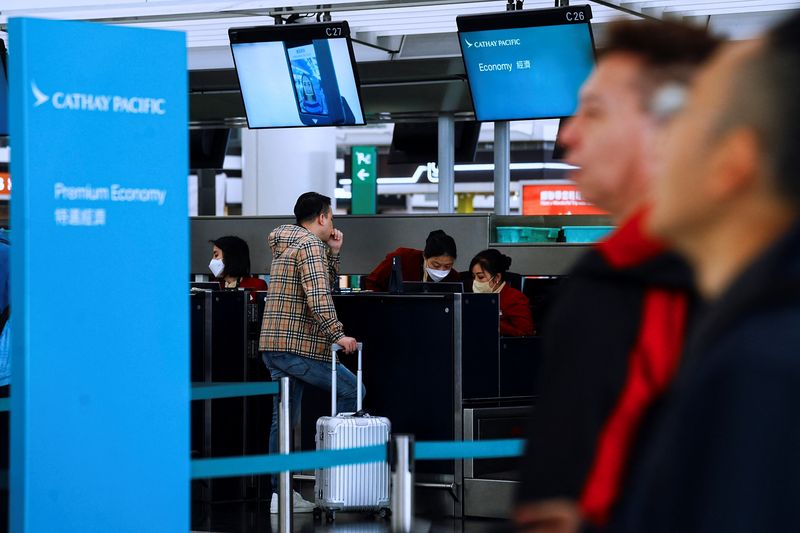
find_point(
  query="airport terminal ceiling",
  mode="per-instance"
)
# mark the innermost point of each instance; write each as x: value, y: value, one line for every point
x: 407, y: 50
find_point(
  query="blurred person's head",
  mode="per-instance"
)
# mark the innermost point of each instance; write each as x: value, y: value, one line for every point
x: 488, y: 269
x: 611, y: 134
x: 313, y: 211
x: 729, y: 181
x: 230, y: 257
x: 439, y: 254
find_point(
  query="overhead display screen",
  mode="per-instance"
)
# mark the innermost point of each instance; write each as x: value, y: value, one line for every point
x: 418, y: 142
x: 527, y: 64
x: 297, y: 75
x: 3, y: 90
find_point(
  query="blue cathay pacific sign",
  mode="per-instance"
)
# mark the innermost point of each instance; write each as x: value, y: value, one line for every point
x: 100, y: 373
x: 99, y: 102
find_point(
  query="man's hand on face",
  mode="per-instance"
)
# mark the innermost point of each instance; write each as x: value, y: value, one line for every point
x: 336, y: 240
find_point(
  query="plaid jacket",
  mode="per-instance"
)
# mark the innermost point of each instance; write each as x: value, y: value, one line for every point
x: 299, y: 316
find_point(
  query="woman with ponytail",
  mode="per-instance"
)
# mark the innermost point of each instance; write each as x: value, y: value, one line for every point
x: 488, y: 270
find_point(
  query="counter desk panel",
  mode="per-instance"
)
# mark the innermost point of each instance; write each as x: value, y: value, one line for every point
x: 423, y: 355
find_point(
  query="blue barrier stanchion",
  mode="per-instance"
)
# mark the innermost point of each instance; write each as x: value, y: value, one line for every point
x: 472, y: 449
x: 215, y: 391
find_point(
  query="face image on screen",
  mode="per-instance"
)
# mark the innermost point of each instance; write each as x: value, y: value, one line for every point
x: 527, y: 73
x: 302, y: 82
x: 307, y: 80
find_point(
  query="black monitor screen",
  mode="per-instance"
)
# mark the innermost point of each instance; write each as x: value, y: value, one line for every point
x: 3, y: 90
x: 527, y: 64
x: 430, y: 287
x: 559, y: 150
x: 207, y: 148
x: 206, y: 285
x: 418, y: 142
x: 297, y: 75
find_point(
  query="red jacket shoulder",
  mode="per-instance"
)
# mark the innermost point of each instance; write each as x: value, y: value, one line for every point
x: 254, y: 283
x: 516, y: 319
x: 512, y: 295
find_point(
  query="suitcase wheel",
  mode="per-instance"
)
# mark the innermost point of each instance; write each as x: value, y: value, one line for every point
x: 317, y: 514
x: 385, y: 513
x: 330, y: 517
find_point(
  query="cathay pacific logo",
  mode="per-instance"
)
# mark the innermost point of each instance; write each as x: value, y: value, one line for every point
x: 103, y: 103
x: 39, y: 95
x: 493, y: 43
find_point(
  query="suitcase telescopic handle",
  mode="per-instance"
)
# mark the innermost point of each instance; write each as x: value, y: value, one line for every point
x: 335, y: 348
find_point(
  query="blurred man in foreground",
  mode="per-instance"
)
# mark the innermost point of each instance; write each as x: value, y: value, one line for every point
x: 613, y: 339
x: 725, y: 454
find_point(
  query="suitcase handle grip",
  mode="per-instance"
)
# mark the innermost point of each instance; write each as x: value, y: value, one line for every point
x: 335, y: 348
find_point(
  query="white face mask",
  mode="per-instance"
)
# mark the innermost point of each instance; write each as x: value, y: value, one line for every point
x: 216, y: 266
x: 437, y: 275
x: 482, y: 286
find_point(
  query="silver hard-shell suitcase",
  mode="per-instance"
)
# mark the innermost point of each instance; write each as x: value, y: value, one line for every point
x: 364, y: 487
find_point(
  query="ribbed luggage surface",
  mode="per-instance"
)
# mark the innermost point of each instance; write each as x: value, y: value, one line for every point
x: 362, y: 487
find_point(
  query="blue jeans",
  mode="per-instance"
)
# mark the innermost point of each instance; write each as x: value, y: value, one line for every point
x: 302, y: 371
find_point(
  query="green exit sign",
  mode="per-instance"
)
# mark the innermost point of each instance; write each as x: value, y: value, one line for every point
x: 365, y: 180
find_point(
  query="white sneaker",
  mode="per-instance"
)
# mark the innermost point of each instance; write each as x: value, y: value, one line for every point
x: 299, y: 505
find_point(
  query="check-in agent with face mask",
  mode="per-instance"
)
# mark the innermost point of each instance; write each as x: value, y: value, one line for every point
x: 488, y: 270
x: 433, y: 264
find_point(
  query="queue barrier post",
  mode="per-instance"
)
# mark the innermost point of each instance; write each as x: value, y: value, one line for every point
x: 284, y: 478
x: 402, y: 465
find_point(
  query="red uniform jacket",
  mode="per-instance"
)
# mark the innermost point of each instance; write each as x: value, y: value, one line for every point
x: 411, y: 263
x: 252, y: 283
x: 515, y: 313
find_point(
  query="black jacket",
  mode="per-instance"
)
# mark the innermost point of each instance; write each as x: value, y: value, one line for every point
x: 588, y: 337
x: 725, y: 453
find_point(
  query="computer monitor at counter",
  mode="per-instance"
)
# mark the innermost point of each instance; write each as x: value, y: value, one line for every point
x: 207, y: 285
x: 410, y: 287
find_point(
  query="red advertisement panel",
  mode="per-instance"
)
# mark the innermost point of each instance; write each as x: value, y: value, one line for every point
x: 5, y: 186
x: 556, y: 199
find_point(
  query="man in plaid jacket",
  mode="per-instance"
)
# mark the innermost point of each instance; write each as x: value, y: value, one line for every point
x: 300, y: 322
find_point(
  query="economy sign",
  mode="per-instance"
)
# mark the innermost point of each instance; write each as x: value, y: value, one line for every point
x: 100, y: 369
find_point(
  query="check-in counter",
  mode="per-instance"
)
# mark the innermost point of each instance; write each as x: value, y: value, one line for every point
x: 433, y: 363
x: 224, y: 335
x: 424, y: 355
x: 490, y: 485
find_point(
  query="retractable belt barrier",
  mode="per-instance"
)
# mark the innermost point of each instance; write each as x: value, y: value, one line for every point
x: 215, y: 391
x: 210, y: 391
x: 284, y: 463
x: 298, y: 461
